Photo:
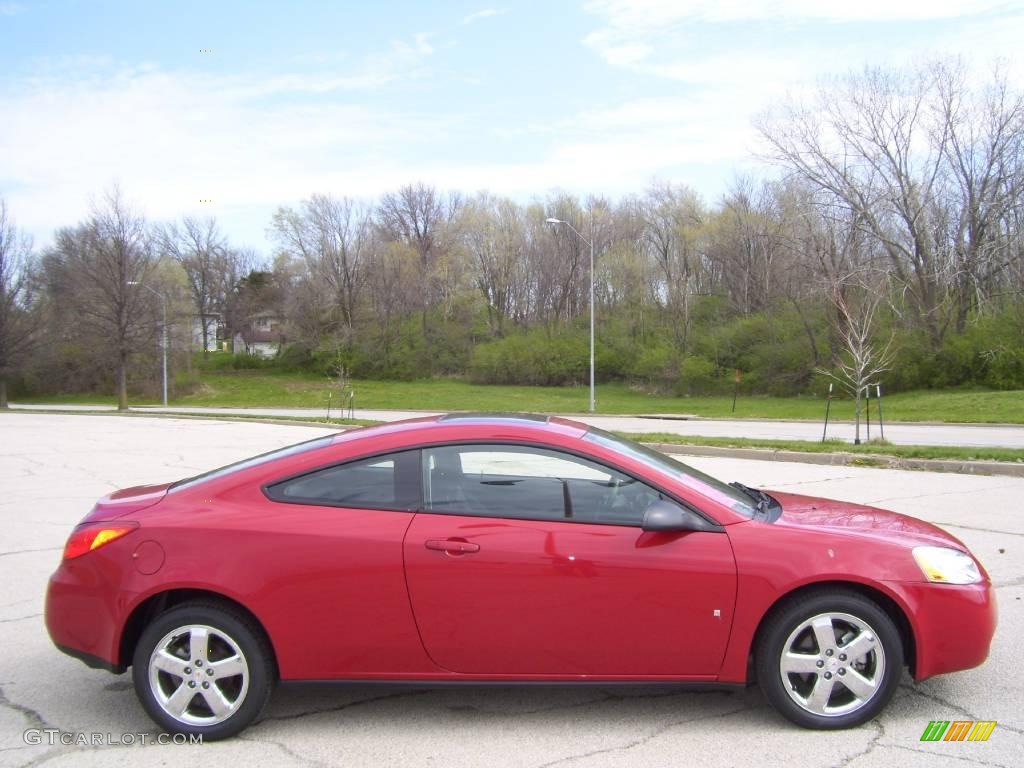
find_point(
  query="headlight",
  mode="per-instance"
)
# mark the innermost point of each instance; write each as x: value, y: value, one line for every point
x: 947, y: 566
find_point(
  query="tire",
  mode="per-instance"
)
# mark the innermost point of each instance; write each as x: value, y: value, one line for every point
x: 829, y: 660
x: 213, y: 652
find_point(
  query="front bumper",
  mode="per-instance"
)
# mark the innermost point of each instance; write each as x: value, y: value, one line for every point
x: 953, y: 625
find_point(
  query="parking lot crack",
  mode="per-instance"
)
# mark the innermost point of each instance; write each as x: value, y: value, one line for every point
x: 657, y: 732
x: 957, y: 708
x: 1017, y: 582
x: 47, y: 756
x: 931, y: 494
x: 783, y: 486
x: 538, y: 711
x: 21, y: 618
x: 981, y: 530
x: 946, y: 756
x: 872, y: 744
x: 305, y: 760
x: 346, y: 705
x: 34, y: 718
x: 29, y: 551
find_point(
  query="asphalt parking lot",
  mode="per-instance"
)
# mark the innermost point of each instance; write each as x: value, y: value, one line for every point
x: 52, y: 468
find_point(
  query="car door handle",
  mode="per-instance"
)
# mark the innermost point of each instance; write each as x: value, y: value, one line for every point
x: 452, y: 546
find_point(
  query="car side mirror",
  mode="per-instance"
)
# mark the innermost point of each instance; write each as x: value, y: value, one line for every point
x: 666, y: 516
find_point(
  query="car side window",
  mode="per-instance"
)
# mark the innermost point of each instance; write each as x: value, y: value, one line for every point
x: 530, y: 483
x: 381, y: 482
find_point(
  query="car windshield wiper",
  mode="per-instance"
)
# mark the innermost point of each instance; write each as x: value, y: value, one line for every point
x: 762, y: 499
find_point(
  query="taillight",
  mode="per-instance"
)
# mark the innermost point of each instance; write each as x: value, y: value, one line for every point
x: 93, y: 536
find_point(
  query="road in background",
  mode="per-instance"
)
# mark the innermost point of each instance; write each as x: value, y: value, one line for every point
x: 901, y: 433
x: 53, y: 467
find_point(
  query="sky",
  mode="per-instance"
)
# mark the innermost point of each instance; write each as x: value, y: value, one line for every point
x: 231, y: 108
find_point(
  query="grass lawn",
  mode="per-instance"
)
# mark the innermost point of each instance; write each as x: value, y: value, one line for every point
x: 262, y: 388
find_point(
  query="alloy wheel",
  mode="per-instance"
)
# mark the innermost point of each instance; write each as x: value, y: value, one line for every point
x: 832, y: 664
x: 198, y: 675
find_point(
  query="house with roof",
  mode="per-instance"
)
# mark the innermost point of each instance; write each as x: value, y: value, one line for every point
x: 262, y: 336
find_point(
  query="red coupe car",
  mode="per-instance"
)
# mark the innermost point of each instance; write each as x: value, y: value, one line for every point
x: 510, y: 549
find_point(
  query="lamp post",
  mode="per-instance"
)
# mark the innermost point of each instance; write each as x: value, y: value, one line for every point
x: 163, y: 305
x: 591, y: 244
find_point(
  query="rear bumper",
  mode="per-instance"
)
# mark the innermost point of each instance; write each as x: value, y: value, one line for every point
x: 953, y: 625
x: 84, y: 615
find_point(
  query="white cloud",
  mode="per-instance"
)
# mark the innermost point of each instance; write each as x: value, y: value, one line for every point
x: 174, y: 138
x: 171, y: 139
x: 725, y: 61
x: 626, y: 54
x: 251, y: 143
x: 671, y: 38
x: 403, y: 61
x: 11, y: 9
x: 633, y: 15
x: 486, y: 13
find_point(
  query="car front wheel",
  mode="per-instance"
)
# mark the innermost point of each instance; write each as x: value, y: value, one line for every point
x: 203, y: 669
x: 829, y: 660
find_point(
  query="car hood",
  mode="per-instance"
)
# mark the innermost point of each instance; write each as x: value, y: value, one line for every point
x: 844, y: 517
x: 126, y: 501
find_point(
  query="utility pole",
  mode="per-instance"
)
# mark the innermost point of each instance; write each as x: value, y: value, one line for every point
x: 589, y: 242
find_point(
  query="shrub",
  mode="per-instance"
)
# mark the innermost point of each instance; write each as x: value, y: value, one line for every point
x: 697, y: 376
x: 294, y: 357
x: 658, y: 365
x: 228, y: 361
x: 531, y: 358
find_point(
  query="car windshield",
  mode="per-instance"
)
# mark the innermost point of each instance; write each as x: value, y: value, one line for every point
x: 263, y: 458
x: 709, y: 486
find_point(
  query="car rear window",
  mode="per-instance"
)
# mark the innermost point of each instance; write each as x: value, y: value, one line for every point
x: 391, y: 481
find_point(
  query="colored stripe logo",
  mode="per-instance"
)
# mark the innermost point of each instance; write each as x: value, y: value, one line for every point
x: 958, y: 730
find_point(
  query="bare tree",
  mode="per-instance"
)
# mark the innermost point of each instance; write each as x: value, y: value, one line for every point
x: 19, y: 322
x: 200, y: 248
x: 748, y: 241
x: 857, y: 297
x: 494, y: 233
x: 672, y: 218
x: 334, y: 238
x: 559, y: 261
x: 984, y: 179
x: 235, y: 267
x: 396, y: 289
x: 872, y: 141
x: 627, y: 280
x: 101, y: 263
x: 418, y: 216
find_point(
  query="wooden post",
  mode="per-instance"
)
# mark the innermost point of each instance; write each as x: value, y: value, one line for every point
x: 828, y: 407
x: 881, y: 424
x: 867, y: 392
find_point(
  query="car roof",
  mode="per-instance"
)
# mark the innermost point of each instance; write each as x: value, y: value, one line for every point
x: 482, y: 424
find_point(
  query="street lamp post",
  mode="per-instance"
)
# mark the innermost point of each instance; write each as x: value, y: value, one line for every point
x: 589, y: 242
x: 163, y: 306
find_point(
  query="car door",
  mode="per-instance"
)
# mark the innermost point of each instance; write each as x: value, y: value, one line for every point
x: 530, y: 561
x: 329, y: 586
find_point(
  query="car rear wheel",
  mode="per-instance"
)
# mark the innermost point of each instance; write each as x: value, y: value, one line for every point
x: 829, y: 660
x: 203, y: 668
